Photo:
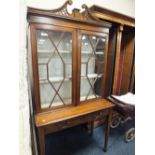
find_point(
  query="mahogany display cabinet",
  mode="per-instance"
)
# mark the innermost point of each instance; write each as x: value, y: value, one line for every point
x: 67, y: 58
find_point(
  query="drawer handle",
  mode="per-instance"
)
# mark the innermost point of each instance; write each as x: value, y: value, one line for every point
x: 99, y: 115
x: 63, y: 125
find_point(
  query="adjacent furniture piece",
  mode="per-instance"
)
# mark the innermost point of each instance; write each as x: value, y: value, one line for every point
x: 125, y: 108
x: 121, y: 50
x: 68, y: 54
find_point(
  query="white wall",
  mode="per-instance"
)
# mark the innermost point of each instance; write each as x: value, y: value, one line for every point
x: 24, y: 141
x: 122, y: 6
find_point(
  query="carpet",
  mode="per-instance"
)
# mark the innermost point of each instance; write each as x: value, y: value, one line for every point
x: 77, y: 141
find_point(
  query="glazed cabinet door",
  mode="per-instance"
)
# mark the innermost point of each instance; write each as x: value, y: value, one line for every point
x: 93, y: 55
x: 53, y: 65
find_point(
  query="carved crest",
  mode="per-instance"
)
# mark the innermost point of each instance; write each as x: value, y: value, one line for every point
x: 62, y: 12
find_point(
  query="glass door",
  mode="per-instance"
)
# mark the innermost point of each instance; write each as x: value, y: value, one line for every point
x: 93, y: 49
x: 54, y: 57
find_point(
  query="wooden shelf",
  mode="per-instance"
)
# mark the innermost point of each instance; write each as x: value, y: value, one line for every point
x: 88, y: 52
x: 59, y: 79
x: 99, y: 53
x: 54, y: 80
x: 46, y: 53
x: 91, y: 76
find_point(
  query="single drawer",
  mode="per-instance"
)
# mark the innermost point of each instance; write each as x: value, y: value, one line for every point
x: 100, y: 115
x: 75, y: 121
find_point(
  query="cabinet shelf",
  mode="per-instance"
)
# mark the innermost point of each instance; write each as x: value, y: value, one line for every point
x: 91, y: 76
x: 100, y: 53
x: 59, y: 79
x: 46, y: 53
x: 88, y: 52
x: 54, y: 80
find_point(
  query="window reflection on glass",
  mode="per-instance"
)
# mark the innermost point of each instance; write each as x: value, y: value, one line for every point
x: 54, y: 50
x: 92, y: 62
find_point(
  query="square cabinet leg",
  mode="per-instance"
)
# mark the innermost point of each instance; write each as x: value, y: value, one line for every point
x: 91, y: 127
x: 41, y: 136
x: 107, y: 130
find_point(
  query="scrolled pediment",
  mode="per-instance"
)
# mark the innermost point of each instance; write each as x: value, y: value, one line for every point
x: 76, y: 14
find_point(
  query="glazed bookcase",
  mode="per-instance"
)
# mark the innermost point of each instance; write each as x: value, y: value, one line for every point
x: 67, y: 64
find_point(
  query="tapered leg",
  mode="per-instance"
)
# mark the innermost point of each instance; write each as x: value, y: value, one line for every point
x: 41, y: 135
x: 91, y: 127
x: 107, y: 130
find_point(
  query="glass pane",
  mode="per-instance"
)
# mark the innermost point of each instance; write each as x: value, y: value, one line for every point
x: 46, y: 94
x: 55, y: 67
x: 92, y: 66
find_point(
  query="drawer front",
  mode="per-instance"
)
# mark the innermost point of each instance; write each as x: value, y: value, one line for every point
x: 100, y: 115
x: 75, y: 121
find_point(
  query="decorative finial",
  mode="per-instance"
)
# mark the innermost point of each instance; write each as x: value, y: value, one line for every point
x: 84, y: 6
x: 70, y: 2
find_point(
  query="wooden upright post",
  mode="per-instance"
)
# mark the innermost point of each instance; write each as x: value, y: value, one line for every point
x: 117, y: 59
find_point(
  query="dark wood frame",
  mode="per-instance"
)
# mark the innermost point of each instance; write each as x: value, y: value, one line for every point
x: 128, y: 60
x: 113, y: 16
x: 132, y: 78
x: 106, y: 36
x: 110, y: 61
x: 123, y: 27
x: 33, y: 28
